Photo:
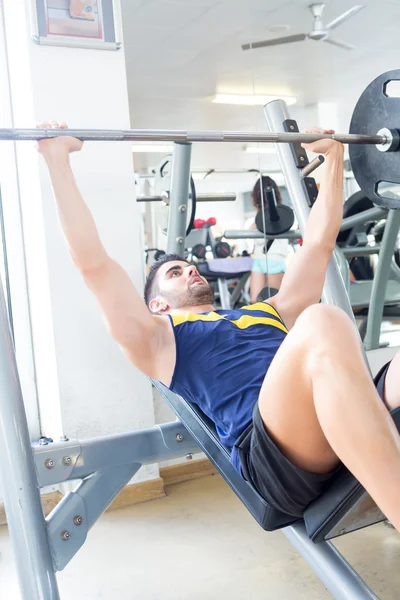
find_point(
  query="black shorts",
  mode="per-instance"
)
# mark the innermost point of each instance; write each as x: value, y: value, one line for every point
x: 283, y: 485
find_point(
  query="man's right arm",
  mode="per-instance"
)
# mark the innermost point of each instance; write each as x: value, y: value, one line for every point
x: 304, y: 279
x: 140, y: 335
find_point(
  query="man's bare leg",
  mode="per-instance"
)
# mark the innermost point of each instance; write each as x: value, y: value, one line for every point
x: 319, y: 404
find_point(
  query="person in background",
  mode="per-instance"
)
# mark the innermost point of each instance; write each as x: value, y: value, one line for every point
x: 267, y: 269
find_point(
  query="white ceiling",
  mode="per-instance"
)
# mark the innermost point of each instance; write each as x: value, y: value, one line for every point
x: 179, y: 53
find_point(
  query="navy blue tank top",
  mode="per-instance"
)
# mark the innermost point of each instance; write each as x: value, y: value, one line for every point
x: 221, y: 361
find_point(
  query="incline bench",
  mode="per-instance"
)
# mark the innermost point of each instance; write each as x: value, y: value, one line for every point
x: 344, y: 507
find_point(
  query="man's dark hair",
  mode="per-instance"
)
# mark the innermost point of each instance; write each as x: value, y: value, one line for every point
x: 151, y: 288
x: 256, y: 196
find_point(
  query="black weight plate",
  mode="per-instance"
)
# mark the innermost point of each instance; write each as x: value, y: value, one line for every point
x: 222, y: 250
x: 283, y: 224
x: 199, y: 251
x: 354, y: 205
x: 158, y: 254
x: 374, y: 111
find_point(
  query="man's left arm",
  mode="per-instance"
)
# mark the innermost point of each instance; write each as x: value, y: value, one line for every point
x: 303, y: 282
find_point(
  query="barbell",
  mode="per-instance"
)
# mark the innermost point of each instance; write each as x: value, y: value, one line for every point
x: 176, y: 135
x: 374, y: 139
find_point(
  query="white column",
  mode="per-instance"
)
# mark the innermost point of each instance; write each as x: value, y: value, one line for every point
x: 85, y: 385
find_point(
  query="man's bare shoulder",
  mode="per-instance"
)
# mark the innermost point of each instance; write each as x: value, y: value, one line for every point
x: 165, y: 350
x: 165, y: 328
x: 155, y: 355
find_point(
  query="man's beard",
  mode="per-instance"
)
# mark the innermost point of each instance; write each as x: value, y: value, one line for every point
x: 196, y: 295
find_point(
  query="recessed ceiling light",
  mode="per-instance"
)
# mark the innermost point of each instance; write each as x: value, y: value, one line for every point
x: 278, y: 28
x: 251, y: 100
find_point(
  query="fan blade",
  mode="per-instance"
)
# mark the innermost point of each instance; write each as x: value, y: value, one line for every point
x: 283, y: 40
x: 339, y: 43
x: 343, y: 17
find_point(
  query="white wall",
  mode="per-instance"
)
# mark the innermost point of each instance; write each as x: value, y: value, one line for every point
x: 85, y: 385
x: 14, y: 246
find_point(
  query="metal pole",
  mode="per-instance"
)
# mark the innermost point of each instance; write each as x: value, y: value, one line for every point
x: 329, y: 565
x: 224, y: 296
x: 215, y: 197
x: 19, y: 484
x: 344, y: 267
x: 334, y: 289
x: 167, y: 135
x: 178, y: 202
x: 372, y: 214
x: 144, y: 446
x: 314, y: 164
x: 353, y: 251
x: 379, y: 285
x: 254, y: 234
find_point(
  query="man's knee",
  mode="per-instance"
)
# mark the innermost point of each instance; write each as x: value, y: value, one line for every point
x: 320, y: 318
x: 328, y: 333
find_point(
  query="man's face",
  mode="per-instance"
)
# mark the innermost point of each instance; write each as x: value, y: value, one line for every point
x: 181, y: 285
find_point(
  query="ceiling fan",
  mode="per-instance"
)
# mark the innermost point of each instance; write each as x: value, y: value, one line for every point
x: 320, y: 32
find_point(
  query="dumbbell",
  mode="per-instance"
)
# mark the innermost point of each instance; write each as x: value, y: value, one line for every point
x: 199, y: 223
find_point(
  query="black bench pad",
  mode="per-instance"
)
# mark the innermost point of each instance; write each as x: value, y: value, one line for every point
x: 204, y: 432
x: 345, y: 505
x: 205, y: 271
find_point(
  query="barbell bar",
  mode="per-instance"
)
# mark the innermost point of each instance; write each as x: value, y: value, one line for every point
x: 171, y: 135
x: 376, y: 170
x: 215, y: 197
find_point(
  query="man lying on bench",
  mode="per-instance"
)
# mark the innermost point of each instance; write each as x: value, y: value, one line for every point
x: 285, y: 382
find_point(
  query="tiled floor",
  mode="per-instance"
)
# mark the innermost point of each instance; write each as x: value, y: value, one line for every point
x: 200, y: 543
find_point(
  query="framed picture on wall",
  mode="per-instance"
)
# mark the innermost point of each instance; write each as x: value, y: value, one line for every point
x: 75, y: 23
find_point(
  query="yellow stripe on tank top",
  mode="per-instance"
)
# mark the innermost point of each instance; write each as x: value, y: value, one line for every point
x: 243, y: 322
x: 185, y: 317
x: 262, y: 307
x: 248, y: 321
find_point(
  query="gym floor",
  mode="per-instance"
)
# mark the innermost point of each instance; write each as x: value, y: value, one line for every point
x: 200, y: 542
